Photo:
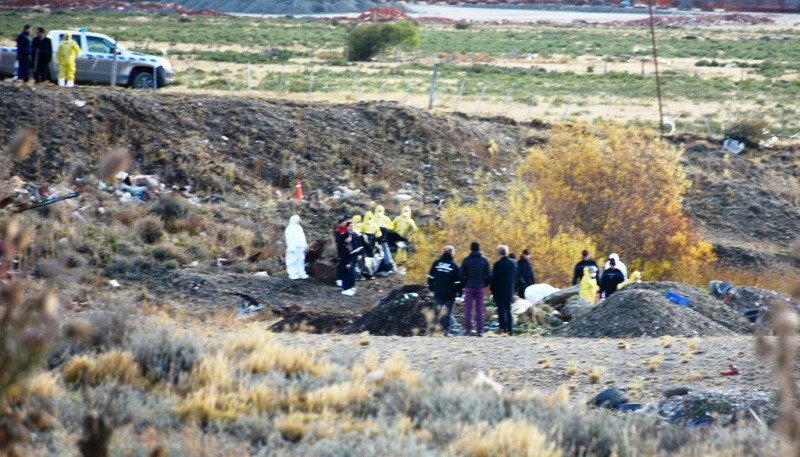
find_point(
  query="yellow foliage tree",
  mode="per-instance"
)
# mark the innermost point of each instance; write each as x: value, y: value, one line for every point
x: 623, y: 187
x: 519, y: 222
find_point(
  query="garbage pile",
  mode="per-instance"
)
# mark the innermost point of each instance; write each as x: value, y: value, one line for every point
x: 144, y: 188
x: 754, y: 303
x: 406, y: 311
x: 692, y: 408
x: 643, y: 310
x: 695, y: 408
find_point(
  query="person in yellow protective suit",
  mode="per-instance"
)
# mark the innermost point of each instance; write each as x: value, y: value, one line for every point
x: 382, y: 219
x: 588, y: 285
x: 635, y: 277
x: 67, y: 52
x: 404, y: 226
x: 370, y: 231
x: 356, y: 223
x: 369, y: 226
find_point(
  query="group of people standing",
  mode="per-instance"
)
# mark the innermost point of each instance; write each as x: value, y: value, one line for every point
x: 366, y: 245
x: 37, y: 53
x: 506, y: 277
x: 614, y: 277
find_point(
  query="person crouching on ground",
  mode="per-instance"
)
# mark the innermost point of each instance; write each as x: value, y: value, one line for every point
x: 504, y: 275
x: 476, y: 275
x: 444, y: 280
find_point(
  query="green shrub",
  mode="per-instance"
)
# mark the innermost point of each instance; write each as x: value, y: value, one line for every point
x: 368, y: 40
x: 748, y: 131
x: 170, y: 207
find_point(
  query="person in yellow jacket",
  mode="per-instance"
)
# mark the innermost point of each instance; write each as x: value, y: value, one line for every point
x: 382, y: 219
x: 635, y: 277
x: 369, y: 226
x: 404, y: 225
x: 66, y: 55
x: 588, y: 285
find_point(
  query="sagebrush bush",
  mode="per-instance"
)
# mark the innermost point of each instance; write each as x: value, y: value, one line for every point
x: 150, y: 229
x: 163, y: 354
x: 167, y: 252
x: 171, y: 207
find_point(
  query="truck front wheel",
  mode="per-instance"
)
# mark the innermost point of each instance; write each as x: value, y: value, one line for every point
x: 143, y: 80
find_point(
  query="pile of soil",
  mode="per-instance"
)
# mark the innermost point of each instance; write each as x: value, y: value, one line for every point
x: 642, y: 310
x: 401, y: 313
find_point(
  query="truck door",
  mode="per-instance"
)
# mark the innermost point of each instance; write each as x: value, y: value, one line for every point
x: 83, y: 65
x: 100, y: 53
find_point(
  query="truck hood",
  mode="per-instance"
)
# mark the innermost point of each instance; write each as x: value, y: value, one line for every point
x: 150, y: 58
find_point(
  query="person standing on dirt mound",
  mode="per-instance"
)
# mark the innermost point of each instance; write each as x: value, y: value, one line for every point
x: 386, y: 224
x: 66, y: 56
x: 525, y: 276
x: 586, y: 261
x: 476, y: 275
x: 504, y: 275
x: 24, y: 53
x: 612, y: 278
x: 347, y: 252
x: 588, y: 285
x: 444, y: 280
x: 42, y: 55
x: 296, y: 246
x: 405, y: 226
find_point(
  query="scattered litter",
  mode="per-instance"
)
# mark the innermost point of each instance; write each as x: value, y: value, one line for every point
x: 261, y: 273
x: 481, y: 380
x: 80, y: 103
x: 677, y: 298
x: 114, y: 283
x: 733, y: 146
x: 732, y: 370
x: 374, y: 376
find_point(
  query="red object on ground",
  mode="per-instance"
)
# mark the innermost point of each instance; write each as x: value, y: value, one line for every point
x: 732, y: 370
x: 382, y: 14
x: 298, y: 190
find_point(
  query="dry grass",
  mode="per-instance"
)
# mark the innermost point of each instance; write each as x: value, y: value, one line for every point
x: 338, y: 396
x: 572, y: 369
x: 654, y: 362
x: 117, y: 365
x: 545, y: 362
x: 509, y: 438
x: 396, y: 368
x: 290, y: 360
x: 212, y: 371
x: 666, y: 341
x: 595, y: 374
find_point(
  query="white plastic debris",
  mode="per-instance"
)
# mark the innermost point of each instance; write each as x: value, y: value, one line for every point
x: 80, y: 103
x: 261, y: 273
x: 733, y: 146
x: 374, y: 376
x: 101, y: 210
x: 484, y: 381
x: 536, y: 292
x: 114, y: 283
x: 224, y: 138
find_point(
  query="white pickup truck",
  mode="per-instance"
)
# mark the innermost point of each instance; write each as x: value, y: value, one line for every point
x: 96, y: 63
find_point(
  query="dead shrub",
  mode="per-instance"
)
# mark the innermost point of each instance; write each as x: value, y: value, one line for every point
x: 164, y: 355
x: 171, y: 207
x: 150, y: 229
x: 166, y: 252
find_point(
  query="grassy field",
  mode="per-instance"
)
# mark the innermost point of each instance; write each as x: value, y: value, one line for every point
x: 710, y: 76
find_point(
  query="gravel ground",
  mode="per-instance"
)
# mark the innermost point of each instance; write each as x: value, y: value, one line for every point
x: 542, y: 363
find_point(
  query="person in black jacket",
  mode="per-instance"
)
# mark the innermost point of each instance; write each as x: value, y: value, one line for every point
x: 504, y: 275
x: 586, y: 261
x: 444, y: 280
x: 42, y: 55
x: 347, y: 266
x: 525, y: 276
x: 611, y: 279
x: 24, y: 45
x: 476, y: 275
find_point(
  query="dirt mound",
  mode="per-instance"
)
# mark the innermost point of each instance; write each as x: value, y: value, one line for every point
x: 642, y: 310
x: 401, y: 313
x: 315, y: 322
x: 745, y: 204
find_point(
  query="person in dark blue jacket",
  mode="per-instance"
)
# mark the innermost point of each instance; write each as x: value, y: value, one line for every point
x: 42, y: 52
x: 504, y: 275
x: 525, y: 276
x: 24, y: 53
x: 347, y: 266
x: 476, y: 275
x: 444, y: 280
x: 586, y: 261
x: 612, y: 278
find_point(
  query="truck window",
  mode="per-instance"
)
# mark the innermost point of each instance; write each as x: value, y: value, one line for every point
x: 99, y: 45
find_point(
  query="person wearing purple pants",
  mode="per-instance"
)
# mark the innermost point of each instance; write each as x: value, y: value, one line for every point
x: 476, y: 275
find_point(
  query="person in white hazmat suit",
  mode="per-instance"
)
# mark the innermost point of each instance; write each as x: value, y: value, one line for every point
x: 620, y: 266
x: 295, y: 249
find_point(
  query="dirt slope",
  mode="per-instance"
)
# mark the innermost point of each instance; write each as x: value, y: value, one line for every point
x: 281, y: 6
x: 747, y: 204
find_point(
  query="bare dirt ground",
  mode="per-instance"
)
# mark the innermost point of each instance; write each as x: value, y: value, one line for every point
x: 545, y: 363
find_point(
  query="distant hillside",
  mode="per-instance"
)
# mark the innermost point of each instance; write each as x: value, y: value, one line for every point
x: 282, y: 6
